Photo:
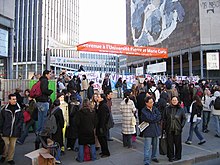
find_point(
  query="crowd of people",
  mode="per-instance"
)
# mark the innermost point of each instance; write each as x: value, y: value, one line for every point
x: 166, y: 107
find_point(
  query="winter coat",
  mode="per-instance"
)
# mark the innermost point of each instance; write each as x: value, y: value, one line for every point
x: 174, y: 119
x: 140, y: 102
x: 71, y: 130
x: 44, y: 90
x: 214, y: 111
x: 153, y: 118
x: 11, y: 121
x: 65, y: 110
x: 103, y: 117
x: 90, y: 92
x: 186, y: 97
x: 206, y: 100
x: 127, y: 111
x: 58, y: 136
x: 86, y: 122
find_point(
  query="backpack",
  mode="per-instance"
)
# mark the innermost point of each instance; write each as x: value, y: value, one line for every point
x: 153, y: 95
x: 35, y: 90
x: 217, y: 103
x: 199, y: 92
x: 50, y: 125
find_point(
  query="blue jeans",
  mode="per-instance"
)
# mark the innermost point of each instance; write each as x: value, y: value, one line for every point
x: 29, y: 124
x: 217, y: 126
x: 119, y: 94
x: 205, y: 119
x: 148, y: 141
x: 81, y: 152
x: 195, y: 127
x: 43, y: 108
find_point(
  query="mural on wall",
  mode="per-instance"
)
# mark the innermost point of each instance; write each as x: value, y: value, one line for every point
x: 152, y: 21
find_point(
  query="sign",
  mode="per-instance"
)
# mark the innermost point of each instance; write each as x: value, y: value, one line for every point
x: 212, y: 61
x: 157, y: 68
x: 123, y: 49
x: 139, y: 71
x: 3, y: 43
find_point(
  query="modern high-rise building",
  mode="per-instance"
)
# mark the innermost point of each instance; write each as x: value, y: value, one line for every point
x: 38, y: 24
x: 6, y: 37
x: 189, y: 29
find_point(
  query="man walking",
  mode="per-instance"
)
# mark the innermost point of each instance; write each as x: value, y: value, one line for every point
x: 11, y: 121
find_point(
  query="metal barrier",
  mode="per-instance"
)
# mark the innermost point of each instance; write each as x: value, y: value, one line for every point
x: 8, y: 86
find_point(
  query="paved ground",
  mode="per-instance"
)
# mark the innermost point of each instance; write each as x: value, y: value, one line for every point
x: 119, y: 155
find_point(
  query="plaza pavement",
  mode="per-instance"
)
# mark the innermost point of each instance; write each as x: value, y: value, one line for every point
x: 123, y: 156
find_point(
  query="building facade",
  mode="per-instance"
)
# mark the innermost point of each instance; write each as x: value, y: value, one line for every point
x: 6, y: 37
x: 106, y: 63
x: 38, y: 23
x: 189, y: 29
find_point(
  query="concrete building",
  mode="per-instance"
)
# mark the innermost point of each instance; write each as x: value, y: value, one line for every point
x: 189, y: 29
x: 6, y: 37
x: 40, y: 25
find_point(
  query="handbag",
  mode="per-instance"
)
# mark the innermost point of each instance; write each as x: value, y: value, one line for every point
x: 27, y: 116
x: 163, y: 144
x: 133, y: 121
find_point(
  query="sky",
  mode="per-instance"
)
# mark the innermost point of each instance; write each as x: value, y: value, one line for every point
x: 102, y: 21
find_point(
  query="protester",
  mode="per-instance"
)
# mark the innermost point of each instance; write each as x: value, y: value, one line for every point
x: 110, y: 123
x: 90, y: 90
x: 86, y: 129
x: 65, y: 111
x: 173, y: 122
x: 118, y: 86
x: 101, y: 129
x: 206, y: 113
x: 195, y: 120
x: 128, y: 110
x: 85, y: 86
x: 43, y: 100
x: 11, y: 122
x: 151, y: 134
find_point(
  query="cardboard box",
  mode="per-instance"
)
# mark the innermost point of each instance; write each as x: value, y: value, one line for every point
x: 39, y: 155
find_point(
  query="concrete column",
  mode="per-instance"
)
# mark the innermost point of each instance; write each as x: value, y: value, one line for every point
x: 172, y: 67
x: 48, y: 59
x: 181, y: 64
x: 190, y: 63
x: 201, y: 64
x: 10, y: 54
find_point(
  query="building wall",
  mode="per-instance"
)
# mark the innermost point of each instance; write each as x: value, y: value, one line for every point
x: 5, y: 8
x: 37, y: 23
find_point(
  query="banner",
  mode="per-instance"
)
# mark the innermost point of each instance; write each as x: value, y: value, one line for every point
x: 123, y: 49
x: 212, y: 60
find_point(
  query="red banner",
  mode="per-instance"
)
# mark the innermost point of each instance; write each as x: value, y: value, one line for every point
x: 101, y: 47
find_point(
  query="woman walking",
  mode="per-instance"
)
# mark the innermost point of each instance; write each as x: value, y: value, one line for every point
x: 173, y: 122
x: 195, y: 120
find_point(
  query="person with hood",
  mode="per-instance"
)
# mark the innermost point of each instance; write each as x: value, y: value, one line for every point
x: 43, y: 100
x: 174, y: 120
x: 216, y: 114
x: 11, y: 122
x: 86, y: 129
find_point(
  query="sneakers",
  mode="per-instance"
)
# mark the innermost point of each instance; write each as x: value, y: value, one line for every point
x: 11, y: 162
x: 188, y: 142
x: 58, y: 162
x: 202, y: 142
x: 19, y: 142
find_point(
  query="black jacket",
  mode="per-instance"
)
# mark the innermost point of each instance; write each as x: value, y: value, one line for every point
x: 103, y: 116
x: 11, y: 121
x: 140, y: 102
x: 86, y: 122
x: 174, y: 119
x: 44, y: 89
x: 90, y: 92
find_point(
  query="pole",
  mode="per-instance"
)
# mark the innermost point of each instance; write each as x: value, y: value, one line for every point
x: 48, y: 59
